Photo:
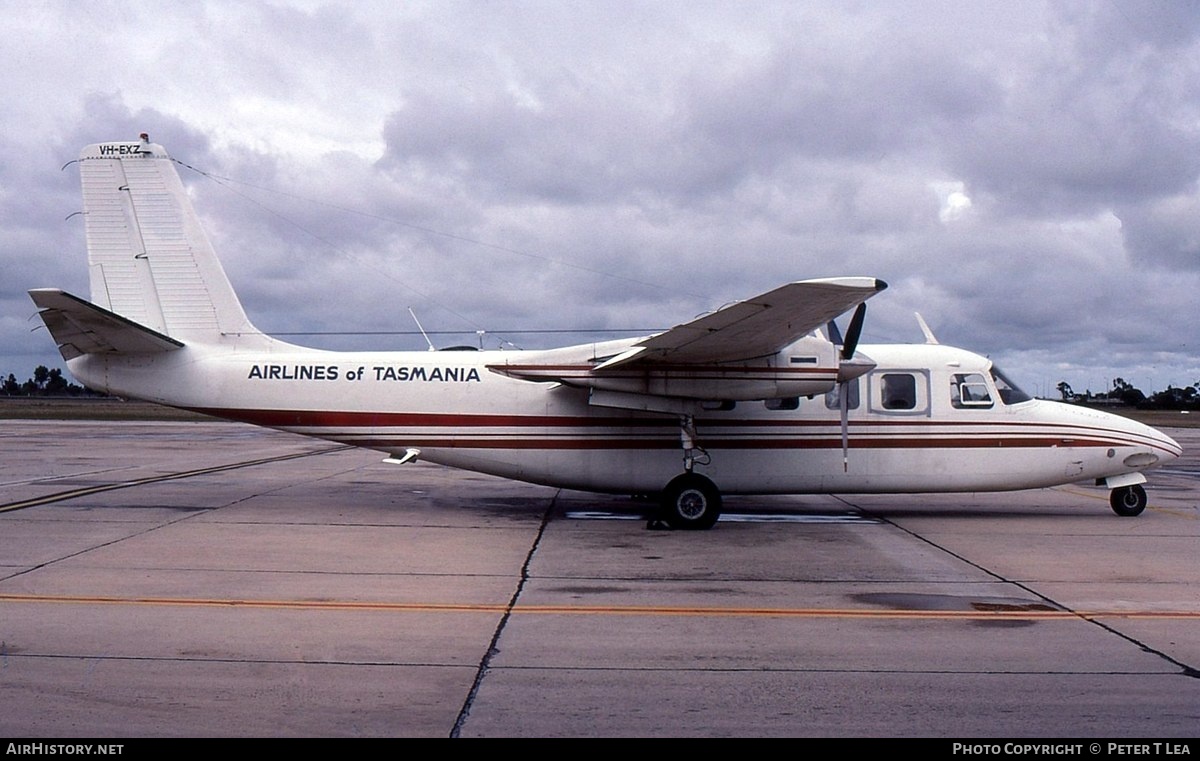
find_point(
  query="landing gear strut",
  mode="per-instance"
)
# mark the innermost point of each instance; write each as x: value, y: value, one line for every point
x: 692, y: 453
x: 1128, y: 501
x: 690, y: 501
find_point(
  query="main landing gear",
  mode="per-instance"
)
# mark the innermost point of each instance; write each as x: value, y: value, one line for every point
x: 689, y: 501
x: 1128, y: 501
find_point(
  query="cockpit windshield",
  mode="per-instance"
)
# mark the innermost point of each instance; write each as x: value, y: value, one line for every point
x: 1010, y: 393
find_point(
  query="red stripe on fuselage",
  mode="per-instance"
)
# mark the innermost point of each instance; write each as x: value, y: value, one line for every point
x: 1037, y: 434
x: 508, y: 442
x: 659, y: 433
x: 335, y: 419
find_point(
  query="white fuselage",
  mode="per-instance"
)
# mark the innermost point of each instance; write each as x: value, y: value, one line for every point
x: 749, y: 398
x: 930, y: 435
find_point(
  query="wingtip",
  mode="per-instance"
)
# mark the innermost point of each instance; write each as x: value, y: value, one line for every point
x: 857, y: 283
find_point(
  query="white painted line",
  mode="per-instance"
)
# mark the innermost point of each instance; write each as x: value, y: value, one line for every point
x: 600, y: 515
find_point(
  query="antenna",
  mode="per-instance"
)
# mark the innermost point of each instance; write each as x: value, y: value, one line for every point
x: 929, y: 337
x: 414, y: 316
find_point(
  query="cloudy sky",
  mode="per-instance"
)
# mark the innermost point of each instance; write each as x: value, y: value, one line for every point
x: 1024, y: 174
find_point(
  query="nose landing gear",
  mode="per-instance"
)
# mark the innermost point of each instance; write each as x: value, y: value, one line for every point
x: 1128, y: 501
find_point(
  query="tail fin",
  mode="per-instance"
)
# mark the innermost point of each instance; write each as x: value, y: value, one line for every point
x: 149, y: 260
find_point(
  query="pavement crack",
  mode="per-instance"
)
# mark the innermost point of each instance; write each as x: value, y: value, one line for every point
x: 493, y: 650
x: 1184, y: 669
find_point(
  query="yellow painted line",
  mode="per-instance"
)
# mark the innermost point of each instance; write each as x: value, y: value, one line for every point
x: 1177, y: 513
x: 619, y: 610
x: 1089, y: 494
x: 85, y: 491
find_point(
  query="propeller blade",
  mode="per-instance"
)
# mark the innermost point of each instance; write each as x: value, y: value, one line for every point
x: 835, y: 335
x: 844, y: 406
x: 849, y: 369
x: 854, y: 332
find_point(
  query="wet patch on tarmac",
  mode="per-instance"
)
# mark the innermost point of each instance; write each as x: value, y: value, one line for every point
x: 908, y: 601
x: 585, y: 590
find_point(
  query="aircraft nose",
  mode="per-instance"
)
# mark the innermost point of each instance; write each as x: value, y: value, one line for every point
x: 1162, y: 448
x: 1169, y: 446
x: 1153, y: 446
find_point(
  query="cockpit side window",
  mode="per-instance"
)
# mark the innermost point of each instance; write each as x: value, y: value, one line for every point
x: 970, y: 390
x: 1009, y: 392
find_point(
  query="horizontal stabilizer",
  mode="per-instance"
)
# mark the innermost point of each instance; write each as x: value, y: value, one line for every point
x: 80, y: 327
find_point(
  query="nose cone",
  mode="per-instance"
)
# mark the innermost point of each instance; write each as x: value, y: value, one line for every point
x: 1139, y: 445
x: 1170, y: 447
x: 1156, y: 447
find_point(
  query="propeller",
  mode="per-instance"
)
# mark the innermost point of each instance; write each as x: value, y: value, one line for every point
x: 854, y: 332
x: 849, y: 368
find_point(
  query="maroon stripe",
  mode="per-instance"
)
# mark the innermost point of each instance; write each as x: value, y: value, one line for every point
x: 587, y: 370
x: 1069, y: 435
x: 335, y: 419
x: 345, y: 419
x: 672, y: 443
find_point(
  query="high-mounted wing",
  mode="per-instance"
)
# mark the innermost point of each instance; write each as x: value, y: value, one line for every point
x: 756, y: 327
x: 734, y: 353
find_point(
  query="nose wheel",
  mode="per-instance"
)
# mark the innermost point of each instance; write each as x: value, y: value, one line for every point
x: 1128, y: 501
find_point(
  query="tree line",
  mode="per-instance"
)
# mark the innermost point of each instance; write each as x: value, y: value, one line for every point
x: 45, y: 382
x: 1124, y: 392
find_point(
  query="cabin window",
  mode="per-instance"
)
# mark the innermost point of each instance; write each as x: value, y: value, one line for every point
x: 833, y: 398
x: 786, y: 403
x: 898, y: 391
x: 969, y: 390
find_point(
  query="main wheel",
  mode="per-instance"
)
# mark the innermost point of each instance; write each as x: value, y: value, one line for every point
x: 691, y: 501
x: 1128, y: 500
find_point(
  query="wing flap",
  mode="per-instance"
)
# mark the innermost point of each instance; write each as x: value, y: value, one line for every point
x: 80, y: 327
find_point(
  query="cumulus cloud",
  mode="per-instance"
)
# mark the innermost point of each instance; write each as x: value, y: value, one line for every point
x: 1026, y: 177
x: 1164, y: 232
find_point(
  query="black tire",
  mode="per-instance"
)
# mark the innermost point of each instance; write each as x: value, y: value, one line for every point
x: 1128, y: 501
x: 691, y: 501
